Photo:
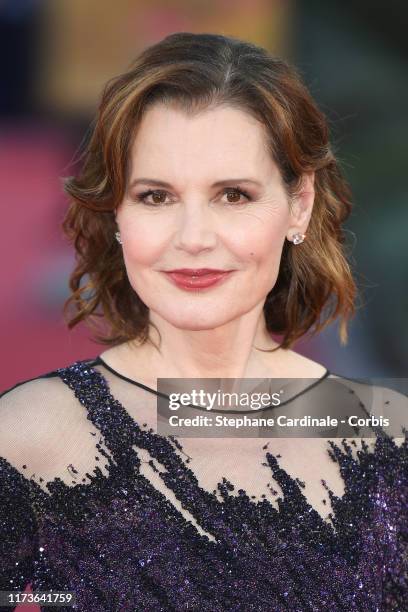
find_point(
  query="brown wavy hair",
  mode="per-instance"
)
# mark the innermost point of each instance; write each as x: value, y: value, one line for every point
x: 197, y: 71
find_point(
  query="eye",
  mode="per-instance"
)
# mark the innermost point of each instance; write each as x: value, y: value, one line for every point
x: 161, y: 195
x: 236, y: 191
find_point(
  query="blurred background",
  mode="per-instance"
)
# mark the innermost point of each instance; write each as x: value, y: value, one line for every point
x: 56, y: 56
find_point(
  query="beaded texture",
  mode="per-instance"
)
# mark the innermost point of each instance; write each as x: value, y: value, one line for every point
x: 121, y: 545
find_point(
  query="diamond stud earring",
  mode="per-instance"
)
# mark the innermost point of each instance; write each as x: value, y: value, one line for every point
x: 117, y: 236
x: 298, y: 238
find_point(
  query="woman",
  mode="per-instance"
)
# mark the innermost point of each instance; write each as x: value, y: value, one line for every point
x: 207, y: 215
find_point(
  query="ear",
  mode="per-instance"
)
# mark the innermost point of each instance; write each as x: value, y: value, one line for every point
x: 302, y: 205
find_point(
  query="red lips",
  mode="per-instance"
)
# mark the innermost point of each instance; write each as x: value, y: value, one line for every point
x: 197, y: 272
x: 201, y: 278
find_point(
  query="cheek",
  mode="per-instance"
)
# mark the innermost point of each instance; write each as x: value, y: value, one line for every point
x: 263, y: 246
x: 141, y: 247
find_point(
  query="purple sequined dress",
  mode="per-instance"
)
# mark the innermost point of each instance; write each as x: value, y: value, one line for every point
x: 95, y: 502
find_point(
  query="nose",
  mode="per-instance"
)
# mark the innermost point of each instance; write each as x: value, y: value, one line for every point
x: 195, y: 231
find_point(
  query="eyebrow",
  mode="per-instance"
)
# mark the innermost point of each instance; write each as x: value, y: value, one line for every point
x: 150, y: 181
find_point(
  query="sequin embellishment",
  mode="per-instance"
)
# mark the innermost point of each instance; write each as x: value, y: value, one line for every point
x: 121, y: 545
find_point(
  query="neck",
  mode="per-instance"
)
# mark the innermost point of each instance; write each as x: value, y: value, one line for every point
x: 229, y: 351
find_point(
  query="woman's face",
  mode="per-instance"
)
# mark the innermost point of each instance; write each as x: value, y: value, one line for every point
x: 218, y: 202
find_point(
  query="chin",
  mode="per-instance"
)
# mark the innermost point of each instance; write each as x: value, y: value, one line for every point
x: 198, y: 321
x: 195, y: 326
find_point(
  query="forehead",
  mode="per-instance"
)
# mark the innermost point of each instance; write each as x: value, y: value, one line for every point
x: 217, y: 140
